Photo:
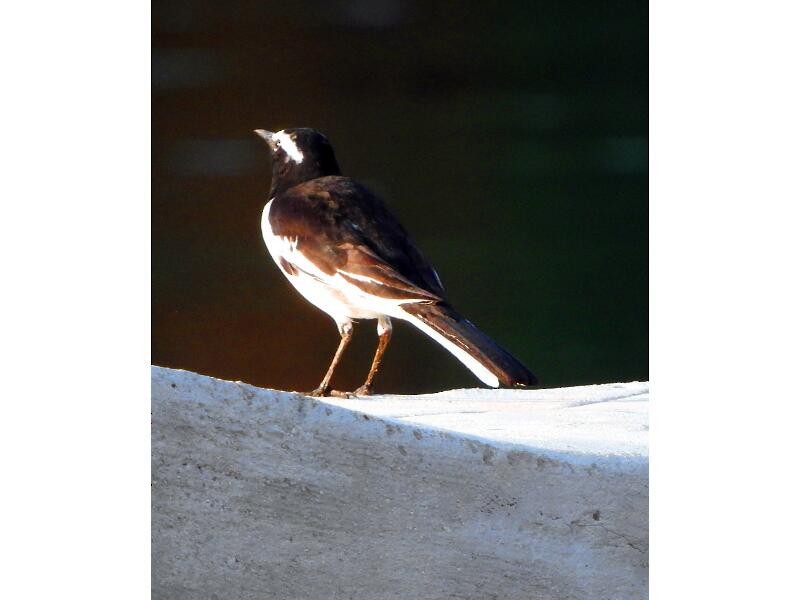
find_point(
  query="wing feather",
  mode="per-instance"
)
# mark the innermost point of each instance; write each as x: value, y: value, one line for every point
x: 344, y: 228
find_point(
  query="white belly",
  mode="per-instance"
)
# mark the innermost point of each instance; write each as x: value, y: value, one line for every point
x: 330, y: 293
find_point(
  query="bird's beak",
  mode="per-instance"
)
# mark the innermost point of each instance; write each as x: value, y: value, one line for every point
x: 266, y: 135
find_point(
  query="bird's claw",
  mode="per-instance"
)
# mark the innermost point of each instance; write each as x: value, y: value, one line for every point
x: 364, y: 390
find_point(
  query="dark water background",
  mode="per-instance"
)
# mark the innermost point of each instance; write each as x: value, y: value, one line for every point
x: 509, y: 137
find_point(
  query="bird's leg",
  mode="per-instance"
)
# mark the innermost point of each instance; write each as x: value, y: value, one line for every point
x: 384, y: 335
x: 346, y: 331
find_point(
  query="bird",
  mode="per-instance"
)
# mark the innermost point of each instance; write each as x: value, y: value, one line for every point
x: 342, y: 249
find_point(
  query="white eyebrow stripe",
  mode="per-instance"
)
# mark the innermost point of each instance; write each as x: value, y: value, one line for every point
x: 291, y: 149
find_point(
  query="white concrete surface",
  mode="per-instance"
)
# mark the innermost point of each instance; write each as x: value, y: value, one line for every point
x: 465, y: 494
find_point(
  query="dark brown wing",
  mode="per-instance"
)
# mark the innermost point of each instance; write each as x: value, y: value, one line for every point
x: 341, y: 226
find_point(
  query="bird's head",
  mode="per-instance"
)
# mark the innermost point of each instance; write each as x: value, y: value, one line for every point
x: 298, y: 155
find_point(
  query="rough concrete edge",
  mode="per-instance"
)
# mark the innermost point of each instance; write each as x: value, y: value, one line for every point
x: 423, y: 433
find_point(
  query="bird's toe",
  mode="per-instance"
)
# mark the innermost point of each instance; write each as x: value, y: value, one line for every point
x: 364, y: 390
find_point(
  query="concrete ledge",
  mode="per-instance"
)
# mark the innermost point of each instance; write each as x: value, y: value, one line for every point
x: 465, y: 494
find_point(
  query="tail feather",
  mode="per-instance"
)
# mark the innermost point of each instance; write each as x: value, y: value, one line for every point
x: 479, y: 353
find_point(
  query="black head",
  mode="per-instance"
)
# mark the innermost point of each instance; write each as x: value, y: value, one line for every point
x: 298, y: 155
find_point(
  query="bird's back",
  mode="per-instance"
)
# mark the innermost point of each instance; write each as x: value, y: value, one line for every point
x: 329, y: 215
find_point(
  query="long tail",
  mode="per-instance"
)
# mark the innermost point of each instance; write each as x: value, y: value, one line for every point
x: 479, y: 353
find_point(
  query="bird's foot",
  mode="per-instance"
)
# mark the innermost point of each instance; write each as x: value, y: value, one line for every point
x: 320, y: 392
x: 364, y: 390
